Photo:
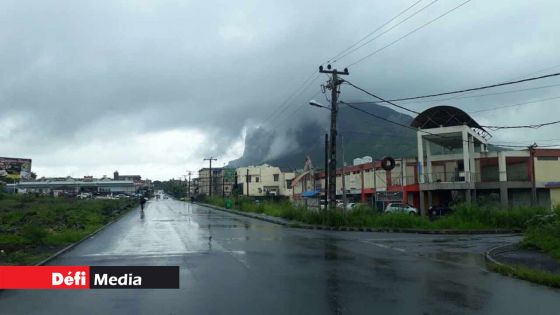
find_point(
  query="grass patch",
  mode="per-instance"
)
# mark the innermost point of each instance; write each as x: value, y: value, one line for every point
x: 522, y: 272
x: 465, y: 217
x: 543, y: 233
x: 33, y: 227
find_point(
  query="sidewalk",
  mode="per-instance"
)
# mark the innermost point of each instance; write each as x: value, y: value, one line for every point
x: 513, y: 255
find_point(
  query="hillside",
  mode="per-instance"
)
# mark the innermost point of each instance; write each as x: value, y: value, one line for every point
x: 363, y: 135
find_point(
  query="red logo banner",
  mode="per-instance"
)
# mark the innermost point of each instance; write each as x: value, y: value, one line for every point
x: 44, y: 277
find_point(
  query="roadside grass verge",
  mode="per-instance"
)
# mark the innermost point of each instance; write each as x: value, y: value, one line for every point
x: 543, y: 234
x: 465, y: 217
x: 524, y: 273
x: 32, y: 228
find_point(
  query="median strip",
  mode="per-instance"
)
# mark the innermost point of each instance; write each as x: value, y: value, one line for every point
x: 300, y: 225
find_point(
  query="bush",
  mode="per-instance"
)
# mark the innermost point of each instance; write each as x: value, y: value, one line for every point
x: 465, y: 217
x: 543, y: 233
x: 35, y: 234
x: 29, y: 222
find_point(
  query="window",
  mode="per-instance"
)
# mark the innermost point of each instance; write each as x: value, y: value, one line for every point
x: 256, y: 179
x: 547, y: 158
x: 289, y: 183
x: 276, y: 177
x: 248, y: 178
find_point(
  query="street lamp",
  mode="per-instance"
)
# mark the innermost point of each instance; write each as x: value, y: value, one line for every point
x: 317, y: 104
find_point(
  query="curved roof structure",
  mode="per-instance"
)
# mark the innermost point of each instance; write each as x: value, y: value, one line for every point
x: 444, y: 116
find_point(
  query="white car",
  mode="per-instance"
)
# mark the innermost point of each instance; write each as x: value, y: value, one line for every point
x: 400, y: 207
x: 84, y: 195
x: 349, y: 205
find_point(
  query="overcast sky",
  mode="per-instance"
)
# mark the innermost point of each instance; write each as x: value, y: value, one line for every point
x: 153, y: 87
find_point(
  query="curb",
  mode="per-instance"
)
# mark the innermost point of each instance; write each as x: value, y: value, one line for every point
x: 248, y: 215
x: 300, y: 225
x: 488, y: 255
x: 85, y: 238
x: 511, y: 271
x: 69, y: 247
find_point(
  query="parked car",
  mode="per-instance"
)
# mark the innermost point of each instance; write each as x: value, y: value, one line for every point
x: 439, y: 210
x: 84, y: 195
x: 349, y: 205
x: 400, y: 207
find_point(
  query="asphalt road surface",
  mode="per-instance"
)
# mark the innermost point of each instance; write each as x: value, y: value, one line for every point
x: 236, y: 265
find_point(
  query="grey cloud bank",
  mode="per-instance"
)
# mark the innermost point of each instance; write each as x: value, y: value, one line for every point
x: 152, y: 87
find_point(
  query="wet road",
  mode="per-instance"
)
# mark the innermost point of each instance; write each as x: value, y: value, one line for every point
x: 236, y: 265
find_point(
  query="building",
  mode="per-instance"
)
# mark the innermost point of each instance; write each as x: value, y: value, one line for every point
x: 220, y: 182
x: 264, y: 180
x: 370, y: 183
x: 140, y: 185
x: 58, y: 186
x: 454, y: 164
x: 135, y: 178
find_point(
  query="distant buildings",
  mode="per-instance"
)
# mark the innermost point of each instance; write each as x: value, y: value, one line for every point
x: 257, y: 181
x: 219, y: 182
x: 123, y: 184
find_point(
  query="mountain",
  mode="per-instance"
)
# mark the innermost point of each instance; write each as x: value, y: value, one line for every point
x: 362, y: 135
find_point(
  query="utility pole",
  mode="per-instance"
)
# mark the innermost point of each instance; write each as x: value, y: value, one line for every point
x: 533, y: 180
x: 333, y: 85
x: 374, y: 185
x: 326, y: 171
x: 247, y: 179
x: 210, y: 159
x: 345, y: 202
x: 189, y: 184
x: 223, y: 184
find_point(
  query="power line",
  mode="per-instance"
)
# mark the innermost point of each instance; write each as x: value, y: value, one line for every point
x: 483, y: 95
x: 534, y: 126
x: 380, y: 118
x: 525, y: 146
x: 514, y: 105
x: 478, y: 88
x: 499, y: 93
x: 438, y: 135
x: 379, y: 98
x: 373, y: 32
x: 483, y: 110
x: 298, y: 108
x: 407, y: 34
x: 387, y: 30
x: 302, y: 87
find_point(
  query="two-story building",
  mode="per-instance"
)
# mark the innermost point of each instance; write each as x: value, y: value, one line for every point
x: 219, y: 181
x: 265, y: 180
x: 455, y: 163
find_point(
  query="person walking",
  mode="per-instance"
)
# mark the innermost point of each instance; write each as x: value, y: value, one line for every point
x: 142, y: 202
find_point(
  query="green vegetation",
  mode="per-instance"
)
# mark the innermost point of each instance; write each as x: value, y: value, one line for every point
x: 32, y: 228
x: 521, y: 272
x: 175, y: 188
x: 465, y: 217
x: 543, y: 233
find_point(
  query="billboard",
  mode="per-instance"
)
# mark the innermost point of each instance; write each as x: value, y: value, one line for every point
x: 15, y: 169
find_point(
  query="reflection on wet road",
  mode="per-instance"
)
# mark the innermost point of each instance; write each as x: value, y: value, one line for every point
x: 236, y: 265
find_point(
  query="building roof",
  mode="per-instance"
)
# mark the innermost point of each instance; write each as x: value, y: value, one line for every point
x: 444, y: 116
x: 100, y: 183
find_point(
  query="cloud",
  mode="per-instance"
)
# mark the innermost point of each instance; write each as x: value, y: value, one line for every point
x: 75, y: 72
